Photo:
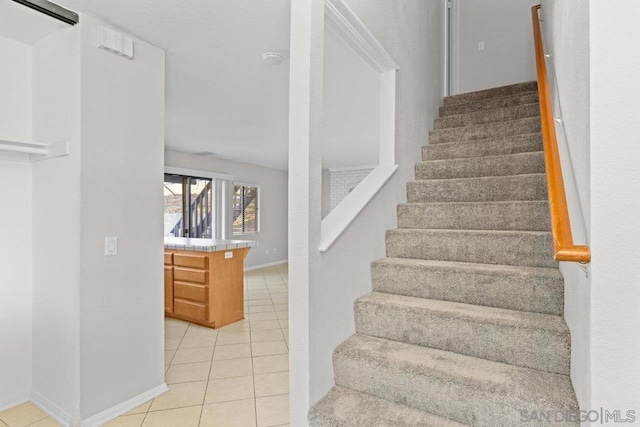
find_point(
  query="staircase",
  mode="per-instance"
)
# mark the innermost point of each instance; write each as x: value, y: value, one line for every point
x: 464, y: 325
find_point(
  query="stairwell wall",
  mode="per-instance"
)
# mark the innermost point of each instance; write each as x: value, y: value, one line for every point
x: 566, y: 36
x: 412, y: 33
x: 615, y: 152
x: 505, y: 28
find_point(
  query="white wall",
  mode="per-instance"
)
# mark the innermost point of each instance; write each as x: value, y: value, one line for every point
x: 566, y: 36
x: 321, y: 305
x: 15, y: 226
x: 122, y: 168
x: 615, y: 152
x: 273, y: 201
x: 56, y: 223
x: 505, y: 28
x: 343, y: 181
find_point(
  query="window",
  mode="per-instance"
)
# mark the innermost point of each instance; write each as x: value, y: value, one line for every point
x: 188, y: 206
x: 245, y: 209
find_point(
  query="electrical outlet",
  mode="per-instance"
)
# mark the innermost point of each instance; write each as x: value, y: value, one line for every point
x: 228, y: 255
x: 480, y: 46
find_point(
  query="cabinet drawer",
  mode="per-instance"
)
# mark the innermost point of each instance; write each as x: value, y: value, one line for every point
x: 190, y: 275
x: 168, y: 258
x: 190, y: 291
x: 191, y: 261
x: 191, y: 309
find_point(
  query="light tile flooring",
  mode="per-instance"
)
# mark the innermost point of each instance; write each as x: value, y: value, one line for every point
x: 235, y: 376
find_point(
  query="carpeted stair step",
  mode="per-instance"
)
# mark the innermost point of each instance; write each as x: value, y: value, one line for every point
x: 511, y: 164
x: 530, y: 340
x: 488, y: 116
x: 469, y: 390
x: 526, y: 248
x: 349, y: 408
x: 496, y: 92
x: 490, y: 104
x: 493, y: 147
x: 483, y: 189
x: 531, y: 289
x: 507, y: 215
x: 486, y: 131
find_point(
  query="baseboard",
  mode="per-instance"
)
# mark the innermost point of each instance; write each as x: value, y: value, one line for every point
x: 269, y: 264
x: 16, y: 400
x: 115, y: 411
x: 51, y: 409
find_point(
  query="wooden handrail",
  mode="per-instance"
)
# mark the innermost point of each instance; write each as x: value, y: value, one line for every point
x: 564, y: 249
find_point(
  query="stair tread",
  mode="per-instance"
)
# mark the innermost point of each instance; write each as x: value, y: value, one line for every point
x: 480, y: 178
x: 489, y: 104
x: 490, y: 115
x: 484, y: 125
x: 471, y: 266
x: 350, y: 408
x: 465, y: 98
x: 483, y: 158
x: 544, y: 390
x: 470, y: 312
x: 514, y: 287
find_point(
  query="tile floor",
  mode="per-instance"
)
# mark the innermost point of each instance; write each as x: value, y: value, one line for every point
x: 234, y: 376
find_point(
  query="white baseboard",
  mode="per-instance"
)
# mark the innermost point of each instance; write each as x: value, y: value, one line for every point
x: 269, y: 264
x: 115, y: 411
x: 54, y: 411
x: 16, y: 400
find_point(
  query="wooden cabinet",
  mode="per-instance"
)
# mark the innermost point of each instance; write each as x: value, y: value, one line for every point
x: 205, y: 287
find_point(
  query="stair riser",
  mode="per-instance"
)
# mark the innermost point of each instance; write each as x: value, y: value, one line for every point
x: 513, y: 291
x: 488, y: 116
x: 459, y: 401
x: 346, y: 407
x: 527, y: 249
x: 522, y: 216
x: 509, y: 188
x: 499, y: 147
x: 490, y: 93
x: 489, y: 104
x: 486, y: 131
x: 516, y: 164
x: 529, y: 348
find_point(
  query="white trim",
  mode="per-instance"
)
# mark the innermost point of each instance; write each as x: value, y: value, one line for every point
x: 54, y: 411
x: 454, y: 33
x: 16, y: 400
x: 121, y: 408
x: 353, y: 168
x: 197, y: 173
x: 341, y: 19
x: 269, y: 264
x: 342, y: 215
x: 32, y: 151
x: 387, y: 154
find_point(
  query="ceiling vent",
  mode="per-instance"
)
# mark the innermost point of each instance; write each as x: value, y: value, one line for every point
x: 206, y: 154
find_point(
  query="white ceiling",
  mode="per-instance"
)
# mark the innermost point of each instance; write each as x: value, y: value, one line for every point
x: 221, y: 97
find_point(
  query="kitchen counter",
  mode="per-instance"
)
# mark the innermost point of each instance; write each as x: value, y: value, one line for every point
x: 204, y: 280
x: 205, y: 245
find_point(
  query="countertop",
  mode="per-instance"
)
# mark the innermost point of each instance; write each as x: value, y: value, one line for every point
x: 205, y: 245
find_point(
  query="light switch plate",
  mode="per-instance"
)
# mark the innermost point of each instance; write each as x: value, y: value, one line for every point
x: 228, y: 255
x: 480, y: 46
x: 110, y: 246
